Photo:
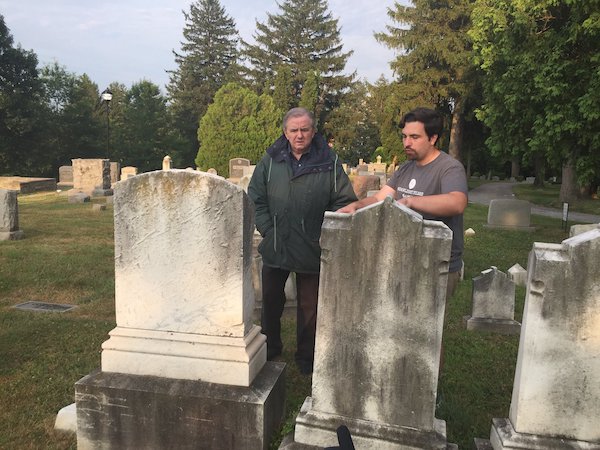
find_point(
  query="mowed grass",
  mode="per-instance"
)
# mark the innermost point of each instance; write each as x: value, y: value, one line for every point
x: 67, y: 256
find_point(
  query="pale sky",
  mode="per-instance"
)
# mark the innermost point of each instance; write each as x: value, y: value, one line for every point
x: 132, y: 40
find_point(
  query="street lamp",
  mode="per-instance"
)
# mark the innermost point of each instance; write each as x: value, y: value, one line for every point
x: 106, y: 98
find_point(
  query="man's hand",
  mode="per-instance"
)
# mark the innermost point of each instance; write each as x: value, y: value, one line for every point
x: 348, y: 209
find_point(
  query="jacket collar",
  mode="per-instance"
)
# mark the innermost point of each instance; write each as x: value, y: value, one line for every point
x: 278, y: 151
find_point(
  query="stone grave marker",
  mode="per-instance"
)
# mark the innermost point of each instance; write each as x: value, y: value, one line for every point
x: 518, y: 274
x: 379, y: 332
x: 9, y: 216
x: 582, y: 228
x: 115, y: 172
x: 556, y: 392
x: 185, y: 363
x: 166, y: 164
x: 128, y: 171
x: 236, y: 167
x: 493, y: 303
x: 65, y: 175
x: 91, y: 177
x: 361, y: 184
x: 511, y: 214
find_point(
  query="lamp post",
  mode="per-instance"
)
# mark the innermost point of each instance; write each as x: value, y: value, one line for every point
x: 106, y: 98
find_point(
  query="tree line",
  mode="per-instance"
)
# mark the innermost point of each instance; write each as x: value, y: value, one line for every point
x: 517, y: 82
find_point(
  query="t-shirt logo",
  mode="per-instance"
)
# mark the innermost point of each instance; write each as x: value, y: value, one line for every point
x: 412, y: 183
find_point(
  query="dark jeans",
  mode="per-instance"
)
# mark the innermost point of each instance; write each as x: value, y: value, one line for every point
x: 273, y: 298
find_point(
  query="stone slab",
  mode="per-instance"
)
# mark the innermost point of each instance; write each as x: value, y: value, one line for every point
x: 66, y: 419
x: 27, y: 185
x: 501, y: 326
x: 118, y: 411
x: 503, y: 436
x: 78, y: 197
x: 509, y: 214
x: 11, y: 235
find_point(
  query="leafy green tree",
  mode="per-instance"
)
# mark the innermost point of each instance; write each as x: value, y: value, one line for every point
x: 239, y: 123
x: 305, y: 37
x: 540, y: 60
x: 434, y: 63
x: 206, y: 62
x: 283, y: 93
x: 21, y: 109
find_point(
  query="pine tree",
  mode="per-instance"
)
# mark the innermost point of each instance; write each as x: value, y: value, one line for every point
x: 283, y: 93
x: 305, y: 37
x: 434, y: 65
x: 205, y: 63
x: 310, y: 92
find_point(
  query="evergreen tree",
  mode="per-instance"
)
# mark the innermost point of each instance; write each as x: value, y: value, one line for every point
x: 205, y: 63
x: 283, y: 93
x: 239, y: 123
x: 305, y: 37
x: 434, y: 64
x: 310, y: 93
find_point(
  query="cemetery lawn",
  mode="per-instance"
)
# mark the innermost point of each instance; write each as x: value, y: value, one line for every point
x: 67, y: 258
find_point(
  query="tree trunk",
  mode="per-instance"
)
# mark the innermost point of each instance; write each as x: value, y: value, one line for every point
x: 540, y: 170
x: 515, y: 166
x: 456, y: 132
x: 568, y: 188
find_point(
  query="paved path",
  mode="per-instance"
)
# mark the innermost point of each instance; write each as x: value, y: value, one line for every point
x: 490, y: 191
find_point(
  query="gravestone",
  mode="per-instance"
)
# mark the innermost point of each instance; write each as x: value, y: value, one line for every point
x: 236, y: 167
x: 361, y: 184
x: 115, y: 172
x: 583, y: 228
x: 556, y: 394
x: 166, y: 164
x: 518, y: 275
x: 379, y: 332
x: 65, y: 175
x: 128, y: 172
x: 377, y: 167
x: 212, y: 171
x: 510, y: 214
x: 493, y: 303
x: 185, y: 364
x: 91, y: 177
x: 9, y: 216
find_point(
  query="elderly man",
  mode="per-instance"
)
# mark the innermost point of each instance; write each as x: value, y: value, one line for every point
x: 293, y: 185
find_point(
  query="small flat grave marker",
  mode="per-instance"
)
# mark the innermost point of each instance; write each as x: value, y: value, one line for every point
x: 43, y: 307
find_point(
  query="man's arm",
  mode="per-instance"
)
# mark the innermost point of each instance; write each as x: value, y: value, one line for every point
x: 379, y: 196
x: 441, y: 205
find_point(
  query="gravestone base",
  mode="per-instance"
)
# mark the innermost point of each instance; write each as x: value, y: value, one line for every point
x: 131, y: 411
x: 502, y: 326
x: 217, y: 359
x: 102, y: 192
x: 508, y: 227
x: 11, y: 235
x: 504, y: 437
x: 317, y: 429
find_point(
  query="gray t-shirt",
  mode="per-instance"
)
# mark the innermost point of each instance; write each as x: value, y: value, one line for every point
x: 441, y: 176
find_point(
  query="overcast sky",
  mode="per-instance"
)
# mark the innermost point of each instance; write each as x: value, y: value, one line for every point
x: 132, y: 40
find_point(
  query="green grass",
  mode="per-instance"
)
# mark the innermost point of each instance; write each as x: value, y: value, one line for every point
x: 67, y: 257
x: 548, y: 196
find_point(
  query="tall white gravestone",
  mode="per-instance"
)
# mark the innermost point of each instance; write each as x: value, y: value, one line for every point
x: 9, y: 216
x: 556, y: 393
x: 380, y: 318
x: 185, y: 362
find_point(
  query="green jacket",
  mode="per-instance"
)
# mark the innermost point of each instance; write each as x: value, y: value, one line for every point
x: 290, y: 209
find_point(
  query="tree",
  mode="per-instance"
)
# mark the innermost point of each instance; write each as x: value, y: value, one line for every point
x: 239, y: 123
x: 304, y: 37
x: 541, y: 60
x: 283, y: 94
x: 142, y: 141
x: 310, y: 93
x: 21, y: 108
x: 434, y: 65
x: 204, y: 65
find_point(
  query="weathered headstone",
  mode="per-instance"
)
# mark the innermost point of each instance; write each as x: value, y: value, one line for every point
x: 9, y: 216
x: 212, y: 171
x: 91, y: 177
x: 236, y: 167
x: 518, y: 274
x: 493, y: 303
x: 379, y: 332
x: 377, y: 167
x: 166, y: 164
x: 128, y: 171
x: 365, y: 183
x: 556, y: 394
x: 65, y: 175
x: 509, y: 214
x: 115, y: 172
x: 583, y: 228
x: 185, y: 360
